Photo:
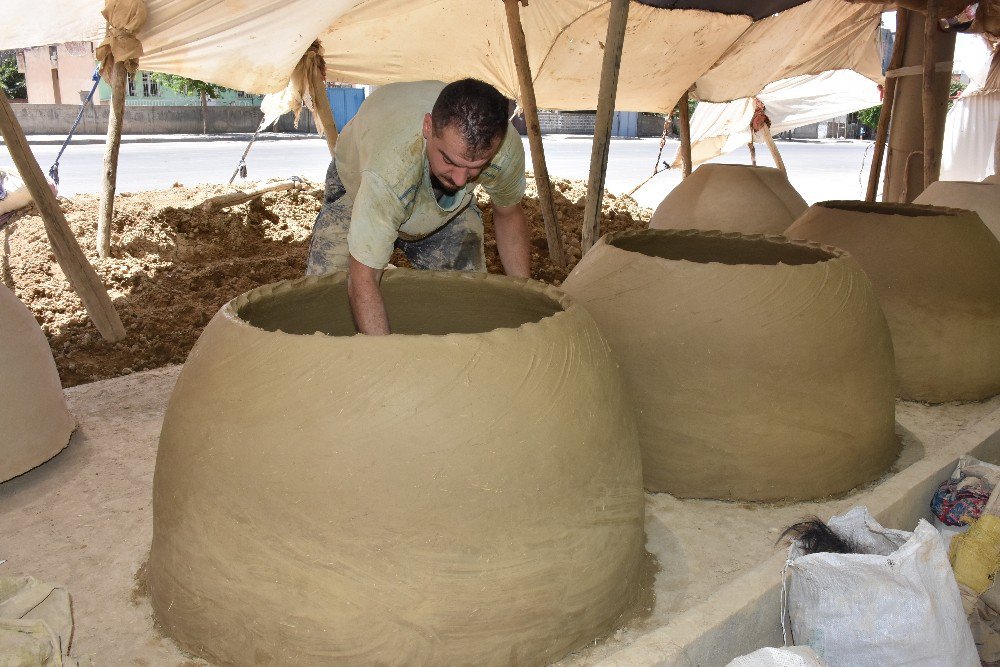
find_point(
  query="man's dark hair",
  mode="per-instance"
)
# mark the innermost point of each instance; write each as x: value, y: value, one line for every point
x: 475, y: 108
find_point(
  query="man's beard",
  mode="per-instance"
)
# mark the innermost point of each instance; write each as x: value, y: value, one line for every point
x: 438, y: 185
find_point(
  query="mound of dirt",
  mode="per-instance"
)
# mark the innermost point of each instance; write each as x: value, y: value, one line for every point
x: 174, y: 264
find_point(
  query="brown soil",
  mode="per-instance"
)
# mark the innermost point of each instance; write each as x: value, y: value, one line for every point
x: 174, y: 265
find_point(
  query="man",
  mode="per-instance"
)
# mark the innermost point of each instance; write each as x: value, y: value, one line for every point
x: 403, y: 175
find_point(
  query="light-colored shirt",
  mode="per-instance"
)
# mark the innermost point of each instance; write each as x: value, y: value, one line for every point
x: 381, y: 158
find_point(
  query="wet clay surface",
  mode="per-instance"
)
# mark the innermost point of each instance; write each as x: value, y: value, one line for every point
x: 293, y: 525
x: 84, y: 519
x: 174, y: 265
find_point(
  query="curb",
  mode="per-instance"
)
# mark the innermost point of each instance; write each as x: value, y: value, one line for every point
x: 86, y: 140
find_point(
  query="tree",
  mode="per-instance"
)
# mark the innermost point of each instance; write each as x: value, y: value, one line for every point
x: 184, y: 85
x: 11, y: 81
x: 869, y: 116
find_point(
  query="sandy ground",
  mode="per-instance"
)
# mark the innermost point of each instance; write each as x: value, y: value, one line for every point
x: 84, y: 519
x: 173, y: 265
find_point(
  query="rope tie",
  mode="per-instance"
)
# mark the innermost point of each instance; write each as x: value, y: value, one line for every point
x: 54, y: 169
x: 785, y: 632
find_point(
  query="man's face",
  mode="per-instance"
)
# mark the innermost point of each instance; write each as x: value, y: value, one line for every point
x: 452, y: 164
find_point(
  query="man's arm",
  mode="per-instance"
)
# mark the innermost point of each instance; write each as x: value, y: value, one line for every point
x: 365, y: 296
x: 511, y: 230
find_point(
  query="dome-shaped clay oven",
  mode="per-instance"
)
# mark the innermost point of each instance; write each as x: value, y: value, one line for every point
x: 761, y: 369
x: 936, y: 272
x: 731, y: 198
x: 983, y: 198
x: 466, y: 490
x: 34, y: 421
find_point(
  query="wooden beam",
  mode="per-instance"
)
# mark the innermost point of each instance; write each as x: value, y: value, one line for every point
x: 685, y: 127
x: 888, y: 97
x: 242, y: 197
x: 771, y: 146
x: 932, y: 154
x: 553, y: 234
x: 617, y: 21
x: 910, y: 127
x: 116, y: 115
x: 73, y: 262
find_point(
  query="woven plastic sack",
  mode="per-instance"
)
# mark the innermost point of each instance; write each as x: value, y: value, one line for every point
x: 792, y: 656
x: 896, y: 603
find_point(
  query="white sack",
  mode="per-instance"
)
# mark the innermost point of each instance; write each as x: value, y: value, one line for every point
x: 792, y: 656
x: 895, y: 604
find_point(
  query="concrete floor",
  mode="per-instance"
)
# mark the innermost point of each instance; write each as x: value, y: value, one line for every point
x: 84, y: 519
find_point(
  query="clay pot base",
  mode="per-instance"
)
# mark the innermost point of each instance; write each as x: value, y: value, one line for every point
x: 468, y: 491
x: 760, y: 368
x: 936, y: 272
x: 35, y: 423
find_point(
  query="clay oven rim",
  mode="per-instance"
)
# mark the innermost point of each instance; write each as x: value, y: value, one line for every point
x: 750, y: 167
x: 892, y: 208
x: 562, y: 306
x: 809, y: 253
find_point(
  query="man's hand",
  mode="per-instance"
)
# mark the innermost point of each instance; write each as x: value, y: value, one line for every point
x: 365, y: 296
x: 511, y: 230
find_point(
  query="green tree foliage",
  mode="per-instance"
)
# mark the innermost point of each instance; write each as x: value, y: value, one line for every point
x: 11, y: 81
x: 870, y: 115
x: 187, y: 86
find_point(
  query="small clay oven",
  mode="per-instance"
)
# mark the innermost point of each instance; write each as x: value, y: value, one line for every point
x: 937, y: 275
x: 464, y: 491
x: 761, y: 368
x: 983, y: 198
x: 731, y: 198
x: 35, y: 424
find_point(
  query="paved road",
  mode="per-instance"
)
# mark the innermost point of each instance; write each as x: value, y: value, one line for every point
x: 818, y: 170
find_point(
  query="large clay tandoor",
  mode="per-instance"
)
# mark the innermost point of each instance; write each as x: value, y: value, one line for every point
x: 761, y: 369
x: 35, y: 424
x: 465, y: 491
x: 983, y: 198
x: 937, y: 275
x: 731, y: 198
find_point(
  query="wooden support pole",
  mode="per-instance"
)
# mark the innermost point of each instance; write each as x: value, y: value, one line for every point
x: 685, y: 127
x: 71, y: 259
x: 617, y: 21
x: 753, y: 151
x: 910, y: 126
x: 932, y: 153
x: 771, y: 146
x: 553, y: 234
x: 888, y: 96
x: 242, y: 197
x: 321, y: 107
x: 116, y: 115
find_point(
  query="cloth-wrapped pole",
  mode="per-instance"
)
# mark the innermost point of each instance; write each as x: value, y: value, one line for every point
x: 125, y: 18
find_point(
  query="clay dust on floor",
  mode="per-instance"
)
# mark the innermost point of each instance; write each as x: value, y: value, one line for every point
x: 173, y: 264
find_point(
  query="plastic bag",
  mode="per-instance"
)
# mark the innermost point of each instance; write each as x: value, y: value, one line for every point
x: 896, y: 603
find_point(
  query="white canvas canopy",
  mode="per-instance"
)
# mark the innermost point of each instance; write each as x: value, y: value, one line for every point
x: 970, y: 133
x: 718, y: 128
x: 254, y: 45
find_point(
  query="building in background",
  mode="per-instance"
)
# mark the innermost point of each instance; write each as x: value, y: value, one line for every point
x: 63, y: 74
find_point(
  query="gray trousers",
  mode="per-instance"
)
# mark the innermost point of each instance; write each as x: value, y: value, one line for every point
x: 457, y: 246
